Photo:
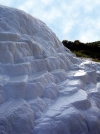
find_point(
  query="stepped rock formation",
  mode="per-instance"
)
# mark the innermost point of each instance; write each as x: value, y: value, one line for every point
x: 44, y: 88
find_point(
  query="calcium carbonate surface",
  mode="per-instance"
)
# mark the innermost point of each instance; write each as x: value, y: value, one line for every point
x: 44, y: 88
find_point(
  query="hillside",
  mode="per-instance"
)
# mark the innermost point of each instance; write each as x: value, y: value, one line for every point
x: 44, y: 88
x: 87, y: 50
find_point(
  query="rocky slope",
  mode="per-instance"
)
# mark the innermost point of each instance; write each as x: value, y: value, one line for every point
x: 44, y: 88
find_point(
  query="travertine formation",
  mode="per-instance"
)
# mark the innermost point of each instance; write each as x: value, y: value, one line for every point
x: 44, y: 88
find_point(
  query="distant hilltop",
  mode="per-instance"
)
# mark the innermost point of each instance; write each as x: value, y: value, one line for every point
x: 88, y: 50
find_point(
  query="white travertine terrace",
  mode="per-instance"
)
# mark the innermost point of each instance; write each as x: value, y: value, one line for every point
x: 44, y: 88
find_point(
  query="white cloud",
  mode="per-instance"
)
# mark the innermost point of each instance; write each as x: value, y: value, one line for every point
x: 67, y: 26
x: 88, y: 36
x: 46, y: 2
x: 81, y: 20
x: 27, y: 5
x: 51, y: 15
x: 6, y: 2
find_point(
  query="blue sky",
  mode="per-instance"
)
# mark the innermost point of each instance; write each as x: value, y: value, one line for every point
x: 69, y: 19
